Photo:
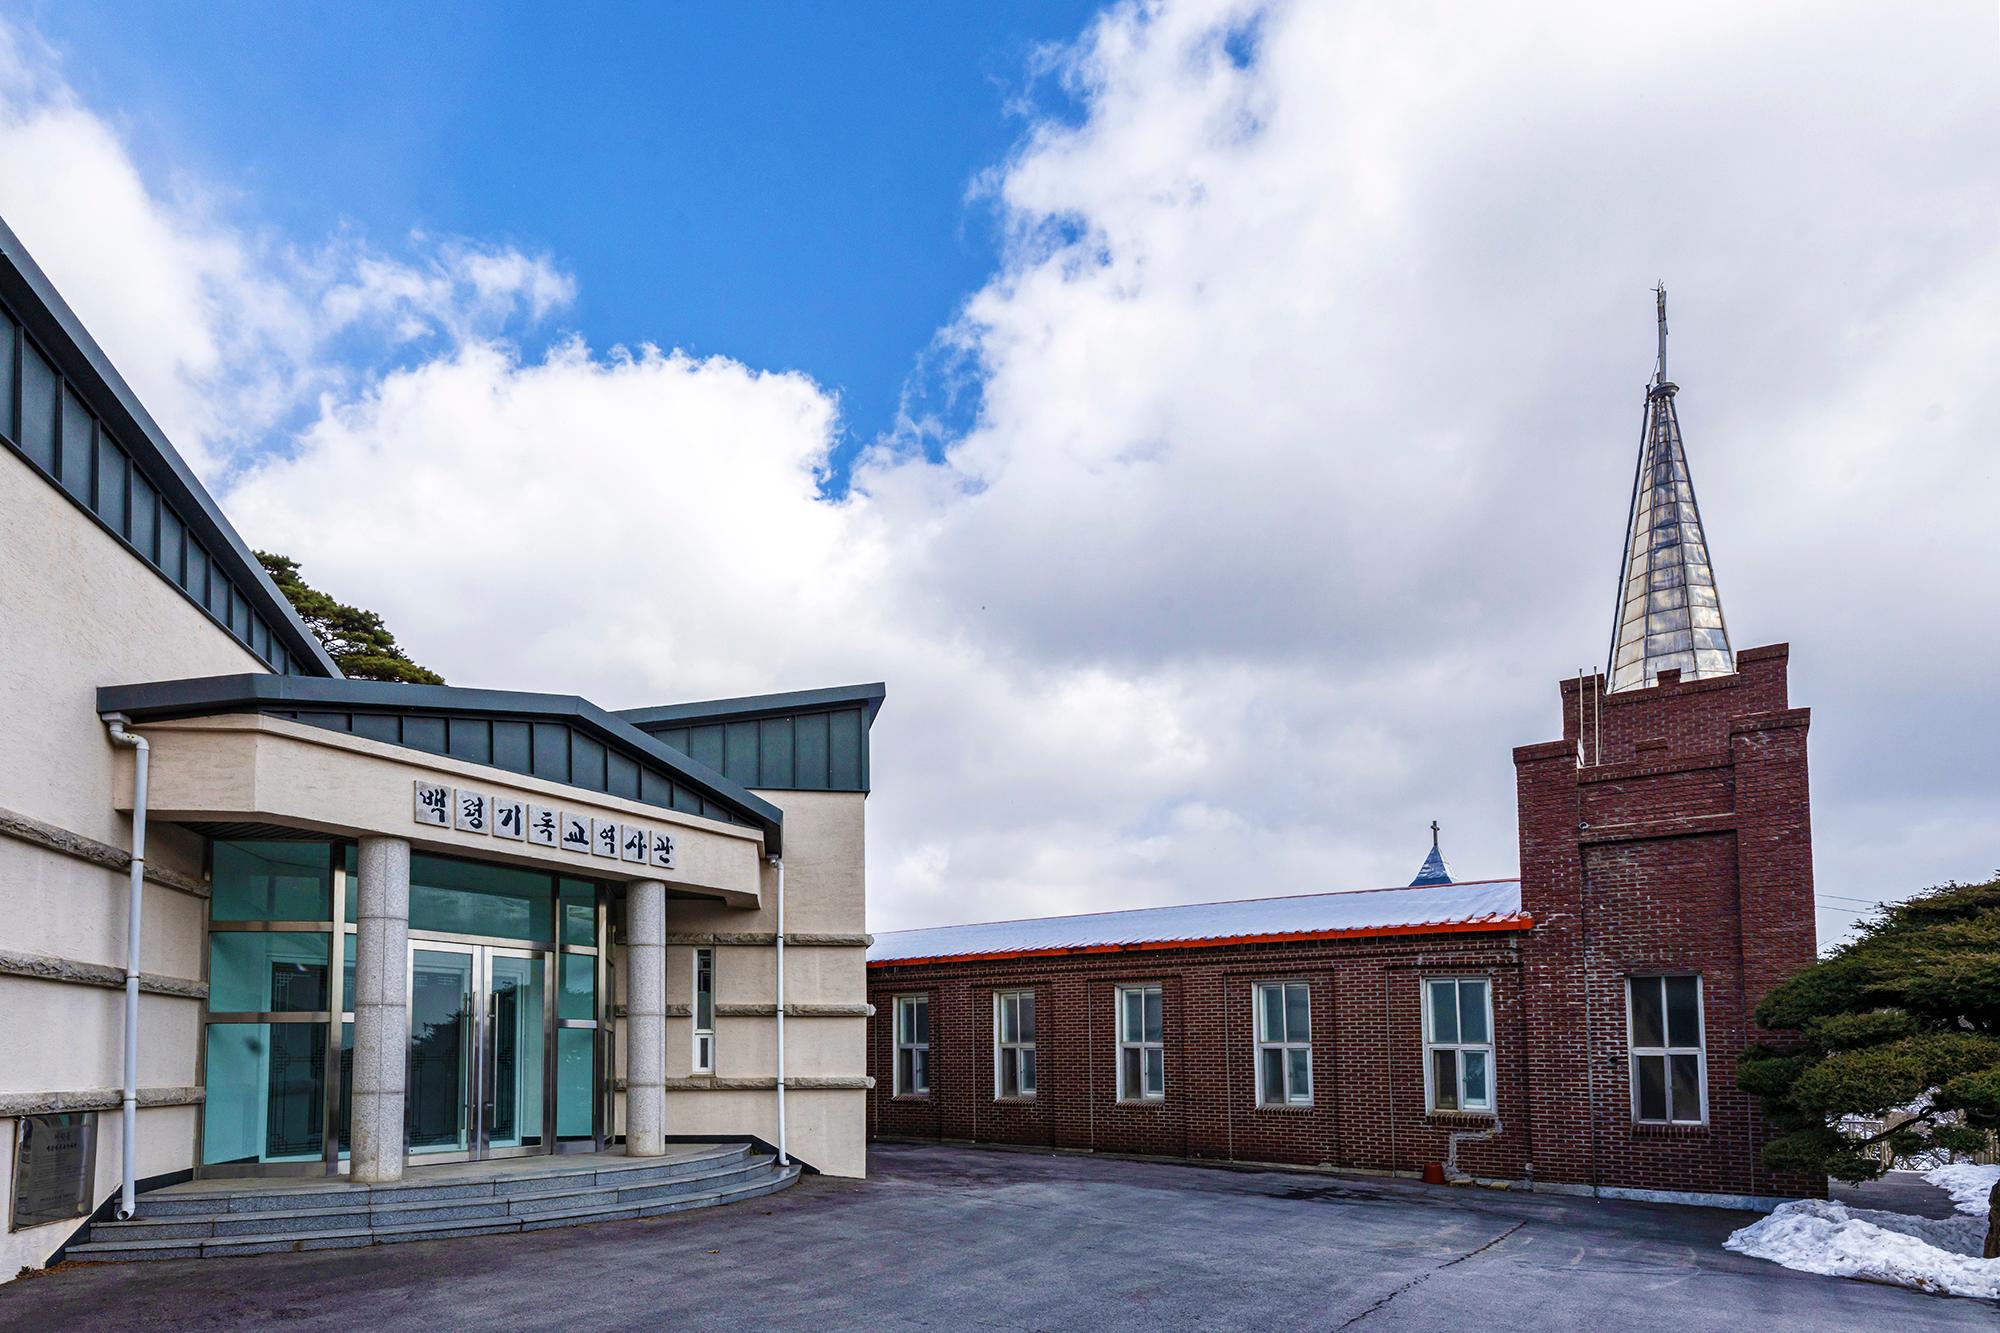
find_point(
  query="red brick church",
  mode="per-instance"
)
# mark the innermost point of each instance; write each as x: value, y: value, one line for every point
x: 1574, y: 1029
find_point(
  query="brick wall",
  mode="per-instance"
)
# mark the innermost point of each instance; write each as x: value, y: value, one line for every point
x: 1669, y: 831
x: 1686, y: 849
x: 1368, y: 1107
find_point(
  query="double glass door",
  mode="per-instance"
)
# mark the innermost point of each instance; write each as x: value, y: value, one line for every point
x: 480, y: 1017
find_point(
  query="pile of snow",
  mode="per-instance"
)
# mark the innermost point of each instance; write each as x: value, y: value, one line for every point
x: 1969, y: 1186
x: 1930, y: 1254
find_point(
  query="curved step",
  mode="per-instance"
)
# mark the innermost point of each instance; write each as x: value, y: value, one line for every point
x: 704, y: 1190
x: 363, y: 1215
x: 254, y: 1197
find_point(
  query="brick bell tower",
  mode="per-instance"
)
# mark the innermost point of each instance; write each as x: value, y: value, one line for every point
x: 1666, y: 857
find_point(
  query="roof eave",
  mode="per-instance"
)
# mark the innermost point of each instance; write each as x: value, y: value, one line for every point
x: 869, y: 697
x: 1497, y: 924
x: 56, y: 327
x: 200, y: 696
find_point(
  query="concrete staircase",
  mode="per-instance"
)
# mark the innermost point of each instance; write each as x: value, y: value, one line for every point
x: 211, y: 1219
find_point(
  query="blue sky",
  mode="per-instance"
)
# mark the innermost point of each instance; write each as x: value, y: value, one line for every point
x: 787, y: 185
x: 1308, y: 381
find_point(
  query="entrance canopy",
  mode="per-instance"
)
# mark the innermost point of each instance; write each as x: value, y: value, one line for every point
x: 542, y: 780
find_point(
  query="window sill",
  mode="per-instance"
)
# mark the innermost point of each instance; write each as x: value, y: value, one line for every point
x: 1658, y: 1130
x: 1028, y: 1100
x: 1147, y: 1103
x: 1286, y: 1108
x: 910, y: 1097
x: 1473, y: 1119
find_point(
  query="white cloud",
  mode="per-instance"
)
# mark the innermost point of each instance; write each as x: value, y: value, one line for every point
x: 225, y: 333
x: 1309, y: 392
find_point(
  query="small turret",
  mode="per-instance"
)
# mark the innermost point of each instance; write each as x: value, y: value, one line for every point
x: 1433, y: 870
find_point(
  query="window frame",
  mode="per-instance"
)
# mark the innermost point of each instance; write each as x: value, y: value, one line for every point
x: 1024, y: 1089
x: 1665, y: 1052
x: 1490, y: 1047
x: 1126, y: 1095
x: 1288, y: 1043
x: 704, y: 1037
x: 899, y: 1045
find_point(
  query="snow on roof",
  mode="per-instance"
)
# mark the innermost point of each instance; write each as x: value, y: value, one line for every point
x: 1476, y: 905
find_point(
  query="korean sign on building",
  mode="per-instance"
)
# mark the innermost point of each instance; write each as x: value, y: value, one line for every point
x: 469, y: 811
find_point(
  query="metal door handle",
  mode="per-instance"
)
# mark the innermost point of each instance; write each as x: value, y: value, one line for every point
x: 492, y: 1054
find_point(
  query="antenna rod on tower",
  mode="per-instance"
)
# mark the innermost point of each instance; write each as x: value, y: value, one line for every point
x: 1660, y: 298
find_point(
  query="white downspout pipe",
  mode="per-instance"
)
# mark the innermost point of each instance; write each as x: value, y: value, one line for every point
x: 784, y: 1159
x: 135, y: 896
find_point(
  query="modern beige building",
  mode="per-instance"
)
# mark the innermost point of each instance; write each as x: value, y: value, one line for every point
x: 379, y: 926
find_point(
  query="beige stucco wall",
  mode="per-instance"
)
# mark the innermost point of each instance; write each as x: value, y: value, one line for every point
x: 78, y: 610
x: 825, y: 879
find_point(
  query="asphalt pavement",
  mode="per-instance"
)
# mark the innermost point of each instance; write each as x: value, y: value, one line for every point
x: 957, y: 1238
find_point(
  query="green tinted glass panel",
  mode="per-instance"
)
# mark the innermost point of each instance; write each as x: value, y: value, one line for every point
x: 271, y: 881
x: 471, y: 898
x: 576, y: 1082
x: 579, y: 912
x: 346, y: 1085
x: 579, y: 986
x: 279, y: 972
x: 516, y: 1052
x: 443, y: 1055
x: 347, y: 972
x: 350, y: 860
x: 266, y: 1085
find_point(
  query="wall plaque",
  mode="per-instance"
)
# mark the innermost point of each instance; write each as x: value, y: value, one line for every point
x: 54, y: 1168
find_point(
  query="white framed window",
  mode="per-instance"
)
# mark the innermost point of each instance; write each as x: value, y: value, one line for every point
x: 1458, y: 1044
x: 704, y: 1010
x: 1013, y: 1045
x: 1284, y: 1044
x: 1664, y: 1030
x: 1142, y: 1054
x: 913, y: 1045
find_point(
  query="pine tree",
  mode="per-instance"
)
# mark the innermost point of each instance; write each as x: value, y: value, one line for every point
x: 1903, y: 1020
x: 356, y: 639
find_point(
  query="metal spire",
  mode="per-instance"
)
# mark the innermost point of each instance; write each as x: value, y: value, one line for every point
x: 1669, y: 616
x: 1660, y: 368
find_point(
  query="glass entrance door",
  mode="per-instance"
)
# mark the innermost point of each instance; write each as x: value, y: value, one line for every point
x: 514, y: 1053
x: 478, y: 1051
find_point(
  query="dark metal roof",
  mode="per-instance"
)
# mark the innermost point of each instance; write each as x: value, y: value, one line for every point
x: 32, y: 299
x: 339, y: 703
x: 869, y: 697
x: 803, y: 740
